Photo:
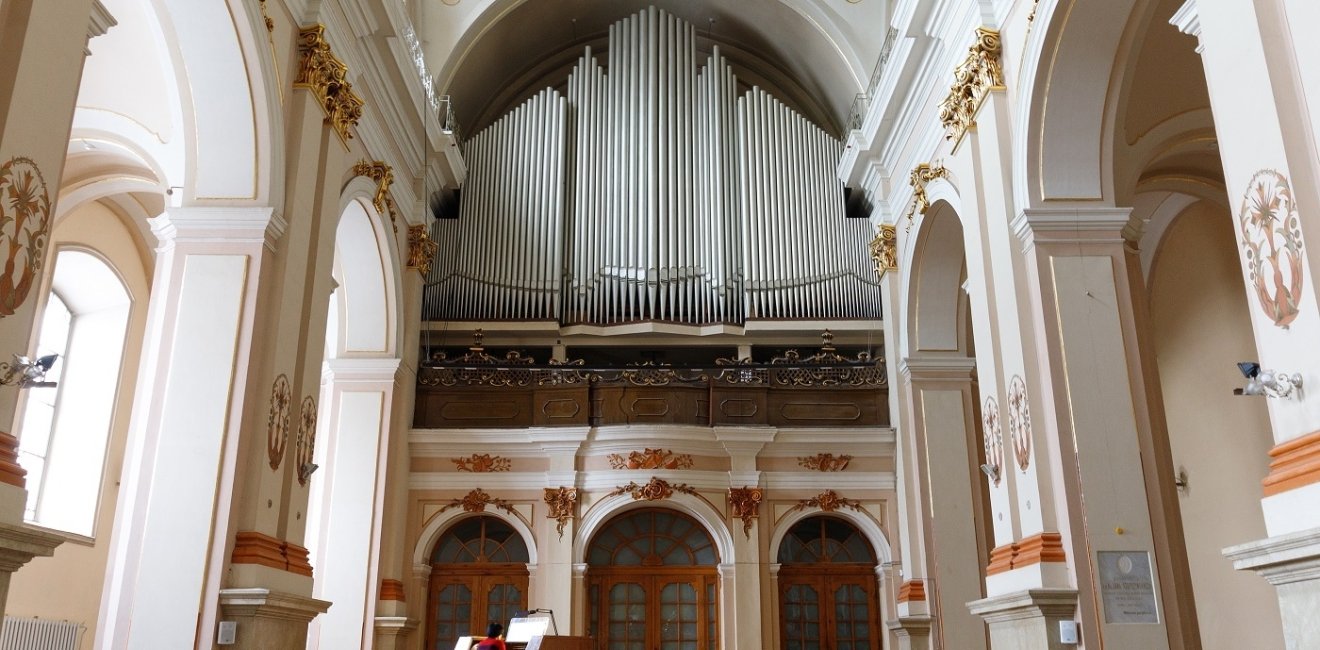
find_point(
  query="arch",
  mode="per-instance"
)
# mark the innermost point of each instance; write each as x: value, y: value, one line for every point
x: 367, y: 268
x: 937, y: 304
x: 441, y: 522
x: 699, y: 509
x: 863, y: 521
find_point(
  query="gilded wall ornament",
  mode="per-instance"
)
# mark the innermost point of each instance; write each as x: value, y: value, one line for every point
x: 651, y: 459
x: 654, y: 490
x: 921, y: 176
x: 277, y: 424
x: 884, y: 249
x: 306, y: 441
x: 327, y: 78
x: 826, y: 462
x: 421, y: 249
x: 828, y: 501
x: 1272, y: 244
x: 270, y: 24
x: 383, y: 174
x: 483, y: 463
x: 561, y: 501
x: 993, y: 435
x: 477, y: 500
x: 1019, y: 421
x: 745, y: 502
x: 24, y: 230
x: 973, y: 80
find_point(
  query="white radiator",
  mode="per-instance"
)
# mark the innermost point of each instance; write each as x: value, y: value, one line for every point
x: 38, y: 634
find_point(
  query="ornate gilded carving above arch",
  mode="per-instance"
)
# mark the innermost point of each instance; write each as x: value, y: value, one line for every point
x: 656, y: 489
x: 477, y: 500
x: 651, y: 459
x: 921, y: 176
x: 322, y: 73
x: 826, y: 462
x: 884, y: 249
x: 483, y: 463
x: 421, y: 249
x: 828, y: 501
x: 561, y: 501
x: 973, y: 80
x: 746, y: 503
x: 383, y: 174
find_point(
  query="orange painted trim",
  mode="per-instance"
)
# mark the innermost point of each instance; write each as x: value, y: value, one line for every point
x: 10, y: 471
x: 1041, y: 547
x: 251, y: 547
x: 391, y: 590
x: 912, y: 590
x: 1293, y: 464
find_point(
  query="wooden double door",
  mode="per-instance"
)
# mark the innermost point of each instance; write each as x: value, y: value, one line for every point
x: 464, y: 599
x: 659, y: 608
x: 828, y: 607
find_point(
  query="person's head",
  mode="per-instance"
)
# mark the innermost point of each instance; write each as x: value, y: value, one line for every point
x: 494, y: 630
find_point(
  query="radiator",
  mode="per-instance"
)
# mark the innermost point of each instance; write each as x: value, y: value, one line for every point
x: 39, y: 634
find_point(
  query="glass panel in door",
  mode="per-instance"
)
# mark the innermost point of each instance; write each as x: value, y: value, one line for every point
x: 453, y: 614
x: 502, y: 600
x: 678, y: 617
x: 627, y: 617
x: 802, y: 618
x: 852, y: 621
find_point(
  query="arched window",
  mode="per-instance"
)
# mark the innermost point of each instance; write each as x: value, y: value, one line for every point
x: 827, y: 587
x: 478, y: 576
x: 652, y: 583
x: 64, y: 430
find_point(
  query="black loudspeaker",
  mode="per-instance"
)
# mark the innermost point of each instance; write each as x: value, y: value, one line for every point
x: 855, y: 203
x: 445, y: 203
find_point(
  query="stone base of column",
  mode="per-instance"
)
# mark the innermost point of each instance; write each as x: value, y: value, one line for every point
x: 1292, y: 564
x: 18, y: 545
x: 268, y: 620
x: 913, y: 632
x: 1027, y: 620
x: 392, y: 632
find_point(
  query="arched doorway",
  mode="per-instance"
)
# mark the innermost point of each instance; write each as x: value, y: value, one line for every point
x: 478, y: 576
x: 652, y: 583
x: 827, y: 587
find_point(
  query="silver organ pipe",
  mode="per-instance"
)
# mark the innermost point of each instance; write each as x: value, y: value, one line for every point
x: 652, y: 190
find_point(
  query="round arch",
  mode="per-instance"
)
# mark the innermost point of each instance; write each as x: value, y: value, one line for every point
x: 863, y: 521
x: 699, y: 509
x: 437, y: 525
x: 936, y: 318
x: 368, y: 268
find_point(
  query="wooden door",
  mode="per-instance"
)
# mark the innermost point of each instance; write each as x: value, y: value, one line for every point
x: 670, y: 609
x: 824, y: 607
x: 478, y: 576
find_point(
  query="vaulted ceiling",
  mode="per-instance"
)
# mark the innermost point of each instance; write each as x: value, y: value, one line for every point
x: 815, y: 55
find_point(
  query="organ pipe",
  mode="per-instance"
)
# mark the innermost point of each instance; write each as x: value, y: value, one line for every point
x: 652, y: 190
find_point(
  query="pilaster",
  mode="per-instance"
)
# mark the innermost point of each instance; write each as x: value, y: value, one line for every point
x: 268, y: 619
x: 1029, y: 619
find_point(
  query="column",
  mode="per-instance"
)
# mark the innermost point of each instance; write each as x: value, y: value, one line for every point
x: 183, y: 444
x: 944, y: 426
x: 40, y: 70
x: 743, y: 444
x: 559, y: 581
x: 1258, y: 71
x: 1100, y: 443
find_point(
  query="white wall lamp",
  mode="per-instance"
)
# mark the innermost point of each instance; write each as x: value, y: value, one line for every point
x: 26, y: 373
x: 992, y: 471
x: 1270, y: 383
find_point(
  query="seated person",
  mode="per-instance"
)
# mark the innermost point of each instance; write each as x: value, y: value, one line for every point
x: 493, y: 640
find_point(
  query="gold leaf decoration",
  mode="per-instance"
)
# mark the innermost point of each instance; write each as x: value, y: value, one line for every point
x: 483, y: 463
x: 745, y: 502
x: 828, y: 501
x: 421, y: 249
x: 884, y: 249
x: 383, y: 174
x: 561, y: 501
x: 826, y: 462
x: 320, y: 72
x: 655, y: 490
x: 651, y: 459
x: 973, y: 80
x: 477, y: 500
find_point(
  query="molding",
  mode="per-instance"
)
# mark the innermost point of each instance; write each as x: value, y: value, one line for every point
x: 1071, y: 226
x: 264, y: 603
x: 217, y: 225
x: 1293, y: 464
x: 912, y: 590
x: 1036, y: 549
x: 1027, y: 604
x: 1280, y: 560
x: 20, y: 543
x: 392, y: 590
x: 929, y: 368
x: 100, y: 22
x: 252, y: 547
x: 1188, y: 21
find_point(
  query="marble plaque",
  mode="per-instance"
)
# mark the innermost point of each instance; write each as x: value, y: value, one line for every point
x: 1127, y: 587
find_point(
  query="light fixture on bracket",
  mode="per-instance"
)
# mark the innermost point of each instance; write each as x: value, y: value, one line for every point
x: 306, y: 470
x: 26, y: 373
x: 1270, y: 383
x: 992, y: 471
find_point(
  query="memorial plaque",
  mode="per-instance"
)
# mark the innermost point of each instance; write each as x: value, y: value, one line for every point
x: 1127, y: 587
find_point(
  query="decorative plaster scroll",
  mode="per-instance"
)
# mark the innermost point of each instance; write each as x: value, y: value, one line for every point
x: 383, y: 174
x: 826, y: 462
x: 922, y: 175
x: 1019, y: 421
x: 1272, y: 243
x: 993, y: 435
x: 828, y: 501
x: 421, y: 249
x: 306, y: 442
x: 477, y: 500
x: 327, y: 78
x: 651, y: 459
x: 655, y: 490
x: 745, y: 502
x: 561, y: 501
x: 277, y: 424
x: 24, y: 230
x: 483, y: 463
x: 270, y: 24
x: 884, y: 249
x: 973, y: 80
